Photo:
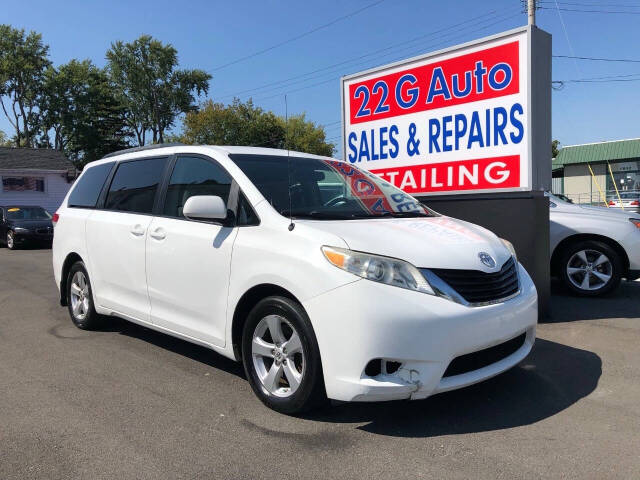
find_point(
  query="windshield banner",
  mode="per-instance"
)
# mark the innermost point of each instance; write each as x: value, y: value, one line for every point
x: 375, y: 196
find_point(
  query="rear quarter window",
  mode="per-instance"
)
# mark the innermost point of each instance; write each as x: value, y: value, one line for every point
x: 87, y: 188
x: 134, y: 185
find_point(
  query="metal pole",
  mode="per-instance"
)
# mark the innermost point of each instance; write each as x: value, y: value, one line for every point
x: 531, y: 9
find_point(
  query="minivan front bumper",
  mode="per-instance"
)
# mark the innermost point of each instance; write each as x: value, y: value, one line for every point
x: 365, y: 321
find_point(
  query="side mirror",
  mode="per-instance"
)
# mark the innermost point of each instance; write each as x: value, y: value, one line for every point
x: 205, y: 207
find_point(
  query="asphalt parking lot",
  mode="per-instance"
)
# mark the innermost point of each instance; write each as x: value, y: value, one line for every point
x: 127, y: 402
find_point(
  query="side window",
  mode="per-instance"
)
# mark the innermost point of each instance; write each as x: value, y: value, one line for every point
x: 194, y: 176
x: 134, y: 185
x: 330, y: 185
x: 246, y: 215
x: 87, y: 188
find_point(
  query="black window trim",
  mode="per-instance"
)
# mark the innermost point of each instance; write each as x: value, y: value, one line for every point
x: 105, y: 190
x: 107, y: 181
x: 232, y: 201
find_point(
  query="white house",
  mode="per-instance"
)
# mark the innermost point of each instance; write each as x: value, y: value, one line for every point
x: 34, y: 176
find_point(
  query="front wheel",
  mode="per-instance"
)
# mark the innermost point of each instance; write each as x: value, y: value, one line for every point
x: 281, y: 356
x: 11, y: 244
x: 591, y: 268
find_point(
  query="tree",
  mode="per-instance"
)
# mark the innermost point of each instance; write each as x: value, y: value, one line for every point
x: 23, y: 62
x: 235, y: 124
x: 4, y: 140
x: 305, y: 136
x: 153, y: 91
x: 245, y: 124
x: 80, y: 107
x: 555, y: 148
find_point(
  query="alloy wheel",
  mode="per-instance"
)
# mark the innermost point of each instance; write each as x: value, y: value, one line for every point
x: 589, y: 270
x: 79, y: 293
x: 10, y: 240
x: 278, y: 356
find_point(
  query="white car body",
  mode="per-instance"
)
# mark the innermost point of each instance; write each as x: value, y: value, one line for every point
x: 570, y: 221
x: 188, y: 279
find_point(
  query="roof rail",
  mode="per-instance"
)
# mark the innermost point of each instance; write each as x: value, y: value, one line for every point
x: 143, y: 148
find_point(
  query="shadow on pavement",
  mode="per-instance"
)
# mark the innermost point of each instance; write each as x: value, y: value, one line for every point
x: 182, y: 347
x: 624, y: 302
x: 551, y: 379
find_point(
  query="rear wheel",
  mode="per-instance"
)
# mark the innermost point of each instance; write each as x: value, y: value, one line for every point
x: 281, y: 356
x: 80, y: 298
x: 591, y: 268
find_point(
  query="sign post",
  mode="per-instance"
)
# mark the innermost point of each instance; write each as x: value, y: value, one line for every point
x: 468, y: 131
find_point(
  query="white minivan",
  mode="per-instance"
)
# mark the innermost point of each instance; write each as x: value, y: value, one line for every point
x: 323, y: 279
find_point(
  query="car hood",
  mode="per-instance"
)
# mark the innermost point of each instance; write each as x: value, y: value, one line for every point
x: 613, y: 213
x: 431, y: 242
x: 30, y: 224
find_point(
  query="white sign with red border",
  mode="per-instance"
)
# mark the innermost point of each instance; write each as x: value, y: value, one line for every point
x: 454, y: 121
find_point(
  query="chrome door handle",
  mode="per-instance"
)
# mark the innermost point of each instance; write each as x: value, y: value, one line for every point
x: 137, y: 230
x: 158, y: 234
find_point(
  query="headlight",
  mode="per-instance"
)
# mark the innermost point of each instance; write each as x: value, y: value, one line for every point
x: 510, y: 247
x: 20, y: 230
x: 378, y: 269
x: 635, y: 221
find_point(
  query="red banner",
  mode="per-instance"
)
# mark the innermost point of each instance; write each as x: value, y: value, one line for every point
x: 485, y: 173
x: 489, y: 73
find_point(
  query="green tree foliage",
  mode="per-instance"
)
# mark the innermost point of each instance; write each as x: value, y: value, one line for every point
x: 152, y: 90
x: 245, y: 124
x: 23, y: 62
x: 82, y: 110
x: 4, y: 140
x: 555, y: 148
x: 235, y: 124
x: 305, y: 136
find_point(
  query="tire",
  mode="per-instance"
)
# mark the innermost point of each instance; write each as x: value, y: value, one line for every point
x: 272, y: 376
x: 80, y: 299
x: 9, y: 241
x: 603, y: 267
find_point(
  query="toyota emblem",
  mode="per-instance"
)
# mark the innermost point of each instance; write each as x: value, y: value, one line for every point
x: 487, y: 259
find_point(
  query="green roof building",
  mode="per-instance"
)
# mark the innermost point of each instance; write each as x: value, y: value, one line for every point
x: 591, y: 172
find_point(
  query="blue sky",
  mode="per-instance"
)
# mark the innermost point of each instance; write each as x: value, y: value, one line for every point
x: 210, y: 34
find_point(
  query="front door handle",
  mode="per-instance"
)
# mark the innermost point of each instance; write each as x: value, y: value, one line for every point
x: 137, y: 230
x: 158, y: 234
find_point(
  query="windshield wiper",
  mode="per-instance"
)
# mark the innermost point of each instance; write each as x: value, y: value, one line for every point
x: 403, y: 215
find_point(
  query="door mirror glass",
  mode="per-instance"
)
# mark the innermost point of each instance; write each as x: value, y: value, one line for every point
x: 205, y: 207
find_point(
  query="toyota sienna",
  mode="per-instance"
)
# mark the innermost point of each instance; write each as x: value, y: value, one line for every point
x: 324, y: 280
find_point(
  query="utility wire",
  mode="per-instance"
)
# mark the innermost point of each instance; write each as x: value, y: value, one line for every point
x: 566, y: 36
x: 420, y: 49
x: 623, y: 60
x: 592, y: 11
x: 297, y: 37
x: 336, y: 66
x: 591, y: 5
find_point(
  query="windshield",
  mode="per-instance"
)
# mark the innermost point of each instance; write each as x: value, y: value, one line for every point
x: 326, y: 189
x: 557, y: 199
x: 27, y: 213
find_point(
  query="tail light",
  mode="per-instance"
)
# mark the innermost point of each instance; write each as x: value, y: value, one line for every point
x: 635, y: 203
x: 611, y: 203
x: 55, y: 218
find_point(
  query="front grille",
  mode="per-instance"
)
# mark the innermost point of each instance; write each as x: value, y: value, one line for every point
x: 480, y: 287
x: 482, y: 358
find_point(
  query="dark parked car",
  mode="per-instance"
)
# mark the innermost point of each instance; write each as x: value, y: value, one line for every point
x: 22, y: 225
